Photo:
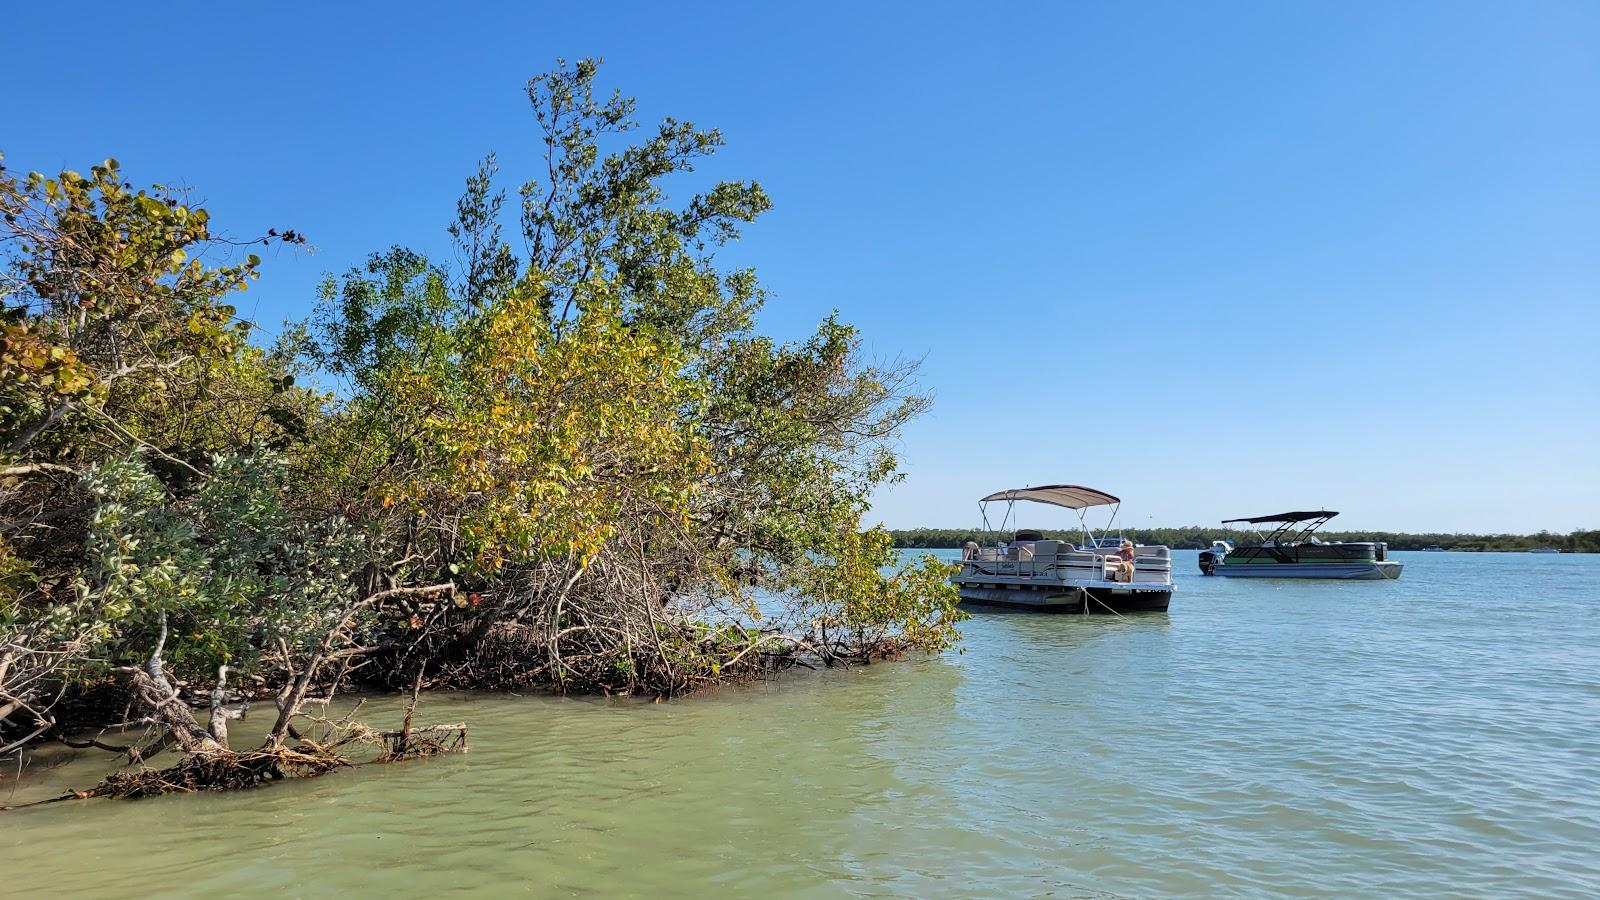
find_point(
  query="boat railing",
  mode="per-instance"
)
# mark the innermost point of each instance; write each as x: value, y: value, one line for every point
x: 1150, y: 564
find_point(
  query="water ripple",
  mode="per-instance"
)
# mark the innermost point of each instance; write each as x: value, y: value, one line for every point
x: 1432, y: 735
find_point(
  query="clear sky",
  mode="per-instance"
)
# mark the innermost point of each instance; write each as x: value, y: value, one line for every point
x: 1218, y: 258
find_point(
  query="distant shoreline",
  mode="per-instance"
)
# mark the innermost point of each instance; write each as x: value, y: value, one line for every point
x: 1200, y: 538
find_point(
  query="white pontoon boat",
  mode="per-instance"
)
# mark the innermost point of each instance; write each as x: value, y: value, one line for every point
x: 1100, y: 574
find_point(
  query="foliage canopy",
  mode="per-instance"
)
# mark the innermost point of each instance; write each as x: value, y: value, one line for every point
x: 578, y: 465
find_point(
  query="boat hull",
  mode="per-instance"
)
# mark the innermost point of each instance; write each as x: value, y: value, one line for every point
x: 1101, y: 598
x: 1386, y: 570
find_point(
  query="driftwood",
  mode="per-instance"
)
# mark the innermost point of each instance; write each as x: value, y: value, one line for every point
x: 428, y: 740
x: 215, y: 771
x: 209, y: 764
x: 221, y: 769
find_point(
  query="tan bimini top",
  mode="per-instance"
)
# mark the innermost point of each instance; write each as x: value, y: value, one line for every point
x: 1072, y: 496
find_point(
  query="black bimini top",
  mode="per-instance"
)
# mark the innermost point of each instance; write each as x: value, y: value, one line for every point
x: 1302, y: 516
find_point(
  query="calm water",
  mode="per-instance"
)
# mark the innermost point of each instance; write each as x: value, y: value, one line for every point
x: 1435, y: 735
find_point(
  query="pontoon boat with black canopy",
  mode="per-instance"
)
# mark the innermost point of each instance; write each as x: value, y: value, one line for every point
x: 1027, y: 571
x: 1290, y: 551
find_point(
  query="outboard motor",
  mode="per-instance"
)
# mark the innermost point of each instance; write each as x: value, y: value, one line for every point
x: 1210, y: 559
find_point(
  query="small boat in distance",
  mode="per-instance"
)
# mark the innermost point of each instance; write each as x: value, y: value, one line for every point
x: 1290, y: 551
x: 1545, y: 550
x: 1433, y: 548
x: 1102, y: 574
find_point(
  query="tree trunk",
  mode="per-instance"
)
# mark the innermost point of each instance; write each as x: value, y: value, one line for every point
x: 171, y: 713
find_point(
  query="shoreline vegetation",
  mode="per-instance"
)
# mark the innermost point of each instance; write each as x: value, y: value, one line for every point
x: 574, y: 466
x: 1199, y: 538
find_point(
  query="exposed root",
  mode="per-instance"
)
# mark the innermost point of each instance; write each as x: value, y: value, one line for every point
x: 220, y: 769
x: 666, y: 658
x: 224, y: 771
x: 420, y: 743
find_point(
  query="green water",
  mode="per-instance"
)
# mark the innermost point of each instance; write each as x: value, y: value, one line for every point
x: 1435, y: 735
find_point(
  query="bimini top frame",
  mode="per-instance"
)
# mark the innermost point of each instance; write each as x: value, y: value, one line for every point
x: 1069, y: 496
x: 1289, y: 522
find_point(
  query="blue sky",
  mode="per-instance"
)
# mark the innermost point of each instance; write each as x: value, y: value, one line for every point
x: 1220, y: 259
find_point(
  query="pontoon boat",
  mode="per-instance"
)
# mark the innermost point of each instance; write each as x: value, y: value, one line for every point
x: 1290, y: 551
x: 1030, y: 572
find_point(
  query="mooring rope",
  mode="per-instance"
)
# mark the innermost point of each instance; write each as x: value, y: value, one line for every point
x: 1099, y: 601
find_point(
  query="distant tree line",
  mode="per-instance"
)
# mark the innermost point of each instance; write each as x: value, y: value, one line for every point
x: 1195, y: 537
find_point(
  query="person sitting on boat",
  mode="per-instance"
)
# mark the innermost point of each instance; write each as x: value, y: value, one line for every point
x: 1125, y: 555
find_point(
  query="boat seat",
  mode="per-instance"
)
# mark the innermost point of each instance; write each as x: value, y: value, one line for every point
x: 1075, y: 563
